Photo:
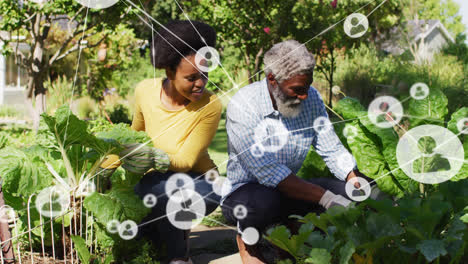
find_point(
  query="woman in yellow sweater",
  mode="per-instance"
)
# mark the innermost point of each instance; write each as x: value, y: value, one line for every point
x: 181, y: 117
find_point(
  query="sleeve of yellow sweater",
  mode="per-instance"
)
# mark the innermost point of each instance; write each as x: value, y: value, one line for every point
x: 138, y: 122
x: 113, y: 161
x: 198, y: 141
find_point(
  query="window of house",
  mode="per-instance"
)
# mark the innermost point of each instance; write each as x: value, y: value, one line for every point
x: 16, y: 73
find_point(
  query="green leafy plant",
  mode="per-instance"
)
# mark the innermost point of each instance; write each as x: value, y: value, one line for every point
x: 422, y: 223
x: 68, y: 155
x: 375, y: 148
x: 414, y: 229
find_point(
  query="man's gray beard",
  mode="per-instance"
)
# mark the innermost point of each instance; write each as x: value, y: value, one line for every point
x: 289, y: 108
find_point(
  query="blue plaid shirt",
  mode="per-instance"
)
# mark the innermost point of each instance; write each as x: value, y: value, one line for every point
x: 250, y: 111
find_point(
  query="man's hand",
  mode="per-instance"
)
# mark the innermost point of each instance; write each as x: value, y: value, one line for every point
x: 299, y: 189
x: 330, y: 199
x: 351, y: 175
x: 376, y: 193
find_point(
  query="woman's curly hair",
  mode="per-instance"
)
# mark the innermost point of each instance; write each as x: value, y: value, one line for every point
x: 179, y: 39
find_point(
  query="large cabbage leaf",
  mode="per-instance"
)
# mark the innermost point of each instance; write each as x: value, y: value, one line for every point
x: 371, y: 161
x: 23, y: 173
x: 430, y: 110
x: 118, y: 204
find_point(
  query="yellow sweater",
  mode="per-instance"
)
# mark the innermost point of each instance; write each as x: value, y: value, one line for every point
x: 183, y: 134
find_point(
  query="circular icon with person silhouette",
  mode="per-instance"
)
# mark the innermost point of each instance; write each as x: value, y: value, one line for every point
x: 419, y: 91
x: 176, y: 182
x: 257, y: 150
x: 350, y: 132
x: 430, y: 154
x: 385, y: 111
x: 211, y: 176
x: 240, y: 211
x: 358, y: 189
x: 113, y: 226
x: 207, y: 59
x: 53, y: 201
x: 462, y: 125
x: 322, y: 124
x: 356, y: 25
x: 271, y: 134
x: 187, y: 212
x: 128, y: 230
x: 149, y: 200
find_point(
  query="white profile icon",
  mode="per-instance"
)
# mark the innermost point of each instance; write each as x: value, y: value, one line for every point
x: 356, y: 25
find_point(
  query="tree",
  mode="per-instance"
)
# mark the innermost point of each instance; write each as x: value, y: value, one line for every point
x: 250, y: 26
x: 416, y: 12
x: 314, y: 20
x: 35, y: 21
x: 447, y: 11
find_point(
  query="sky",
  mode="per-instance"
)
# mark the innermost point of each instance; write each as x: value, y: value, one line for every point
x: 464, y: 11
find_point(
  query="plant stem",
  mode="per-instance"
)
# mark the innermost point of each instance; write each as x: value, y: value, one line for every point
x: 329, y: 108
x: 66, y: 161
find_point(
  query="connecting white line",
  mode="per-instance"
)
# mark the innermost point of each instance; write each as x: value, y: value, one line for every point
x: 318, y: 35
x: 219, y: 97
x: 76, y: 74
x: 203, y: 39
x: 225, y: 93
x: 383, y: 2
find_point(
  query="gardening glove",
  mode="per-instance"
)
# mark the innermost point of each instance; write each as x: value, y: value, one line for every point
x: 377, y: 194
x: 109, y: 165
x: 138, y: 158
x: 330, y: 199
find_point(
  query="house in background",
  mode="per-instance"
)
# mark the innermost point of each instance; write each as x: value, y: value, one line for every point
x: 13, y: 78
x: 426, y: 38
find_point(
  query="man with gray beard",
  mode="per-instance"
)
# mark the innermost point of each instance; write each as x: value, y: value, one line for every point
x: 271, y: 125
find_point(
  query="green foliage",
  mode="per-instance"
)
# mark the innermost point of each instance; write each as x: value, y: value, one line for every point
x: 118, y: 204
x: 9, y: 111
x: 23, y: 172
x: 66, y: 152
x: 86, y: 107
x: 132, y: 70
x: 119, y: 114
x: 313, y: 167
x: 121, y: 55
x: 458, y: 49
x: 36, y: 22
x: 59, y: 92
x: 81, y: 249
x: 122, y: 133
x: 374, y: 148
x: 448, y: 12
x: 413, y: 229
x: 364, y: 72
x: 430, y: 110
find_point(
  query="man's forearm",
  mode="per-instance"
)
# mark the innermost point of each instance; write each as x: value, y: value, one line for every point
x: 297, y: 188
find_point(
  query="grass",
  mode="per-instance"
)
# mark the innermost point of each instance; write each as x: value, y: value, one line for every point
x: 218, y: 148
x: 10, y: 112
x: 17, y: 136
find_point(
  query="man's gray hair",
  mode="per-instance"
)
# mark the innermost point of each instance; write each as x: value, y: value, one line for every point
x: 287, y: 59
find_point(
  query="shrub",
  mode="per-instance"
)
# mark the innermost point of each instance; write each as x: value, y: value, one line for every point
x: 366, y: 72
x: 413, y: 229
x: 59, y: 92
x: 70, y: 158
x: 9, y: 111
x: 119, y: 114
x: 86, y: 107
